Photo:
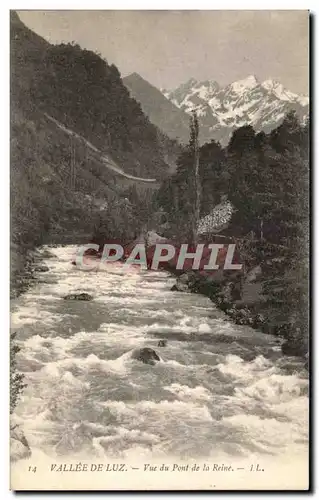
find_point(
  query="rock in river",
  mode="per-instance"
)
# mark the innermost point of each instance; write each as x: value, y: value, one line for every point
x: 184, y: 283
x: 146, y: 355
x: 162, y: 343
x: 41, y: 269
x: 78, y: 296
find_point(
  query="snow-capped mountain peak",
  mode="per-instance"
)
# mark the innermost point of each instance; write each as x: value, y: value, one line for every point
x: 243, y: 102
x: 270, y: 84
x: 246, y: 84
x: 283, y: 94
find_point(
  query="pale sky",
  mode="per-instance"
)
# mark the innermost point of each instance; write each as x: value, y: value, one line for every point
x: 169, y: 47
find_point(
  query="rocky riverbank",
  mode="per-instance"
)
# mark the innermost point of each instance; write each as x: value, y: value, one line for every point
x: 25, y: 266
x: 240, y: 297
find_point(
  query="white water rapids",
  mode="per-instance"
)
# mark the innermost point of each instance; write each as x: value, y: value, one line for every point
x: 220, y: 390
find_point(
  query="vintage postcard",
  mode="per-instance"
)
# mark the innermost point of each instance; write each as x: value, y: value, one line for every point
x: 159, y: 250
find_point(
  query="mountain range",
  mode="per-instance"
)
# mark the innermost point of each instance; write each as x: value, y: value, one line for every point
x: 220, y: 109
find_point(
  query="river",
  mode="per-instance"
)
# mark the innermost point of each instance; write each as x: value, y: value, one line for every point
x: 220, y: 390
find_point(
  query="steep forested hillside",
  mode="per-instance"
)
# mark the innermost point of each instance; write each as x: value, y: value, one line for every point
x: 56, y: 182
x: 81, y: 90
x: 168, y: 117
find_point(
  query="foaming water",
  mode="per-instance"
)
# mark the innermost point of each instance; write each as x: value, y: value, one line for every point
x: 220, y: 390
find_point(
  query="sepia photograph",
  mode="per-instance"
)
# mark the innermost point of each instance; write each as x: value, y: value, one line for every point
x: 159, y: 250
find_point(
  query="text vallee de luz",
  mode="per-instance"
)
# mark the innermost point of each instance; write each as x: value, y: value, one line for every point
x: 109, y: 467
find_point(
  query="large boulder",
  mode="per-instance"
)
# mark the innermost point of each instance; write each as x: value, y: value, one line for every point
x: 41, y: 269
x: 292, y: 347
x: 19, y: 446
x: 149, y: 239
x: 181, y: 286
x: 152, y: 238
x: 46, y: 254
x: 78, y: 296
x: 296, y: 343
x: 146, y: 355
x: 162, y: 343
x: 185, y: 283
